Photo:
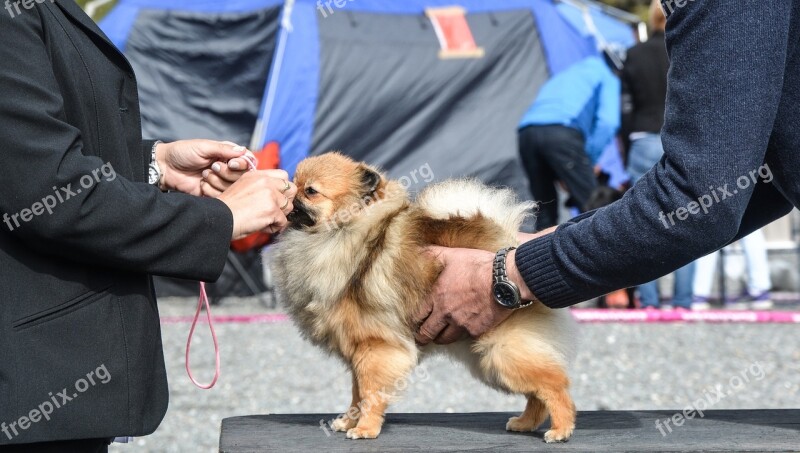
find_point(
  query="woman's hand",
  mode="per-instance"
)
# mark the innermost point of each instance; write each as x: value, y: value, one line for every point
x: 184, y: 162
x: 220, y: 177
x: 260, y: 201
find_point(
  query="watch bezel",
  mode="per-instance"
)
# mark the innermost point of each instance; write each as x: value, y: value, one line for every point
x: 513, y: 290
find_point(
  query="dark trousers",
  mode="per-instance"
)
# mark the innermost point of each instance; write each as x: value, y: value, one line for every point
x: 552, y: 153
x: 69, y: 446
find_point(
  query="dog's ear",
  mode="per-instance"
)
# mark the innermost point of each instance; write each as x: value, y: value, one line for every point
x: 370, y: 180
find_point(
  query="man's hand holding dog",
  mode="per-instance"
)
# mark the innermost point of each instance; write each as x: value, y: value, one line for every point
x: 461, y: 303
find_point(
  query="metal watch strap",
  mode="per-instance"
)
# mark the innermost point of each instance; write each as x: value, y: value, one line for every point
x: 500, y: 274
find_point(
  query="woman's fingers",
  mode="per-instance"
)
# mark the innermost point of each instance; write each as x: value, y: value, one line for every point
x: 208, y: 190
x: 258, y: 202
x: 226, y: 173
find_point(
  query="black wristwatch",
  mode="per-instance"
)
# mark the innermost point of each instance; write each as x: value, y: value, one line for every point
x: 505, y: 292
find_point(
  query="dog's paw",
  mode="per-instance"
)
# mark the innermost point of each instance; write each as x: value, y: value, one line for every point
x: 558, y: 435
x: 363, y: 433
x: 343, y: 424
x: 519, y: 425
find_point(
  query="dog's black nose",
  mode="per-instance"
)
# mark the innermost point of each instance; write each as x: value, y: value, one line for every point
x: 300, y: 216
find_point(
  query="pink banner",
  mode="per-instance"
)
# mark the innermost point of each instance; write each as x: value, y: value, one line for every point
x: 583, y: 315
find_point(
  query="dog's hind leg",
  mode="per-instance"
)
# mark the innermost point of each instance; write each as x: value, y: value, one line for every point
x: 562, y: 410
x: 532, y: 417
x: 381, y: 370
x: 531, y: 372
x: 349, y: 419
x: 548, y: 384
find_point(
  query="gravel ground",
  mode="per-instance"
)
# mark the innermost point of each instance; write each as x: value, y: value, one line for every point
x: 268, y: 368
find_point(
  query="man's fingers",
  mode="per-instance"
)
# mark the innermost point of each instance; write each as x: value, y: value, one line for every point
x: 450, y: 334
x: 422, y: 314
x: 430, y: 329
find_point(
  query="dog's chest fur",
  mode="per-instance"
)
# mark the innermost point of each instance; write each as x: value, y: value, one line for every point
x: 355, y: 282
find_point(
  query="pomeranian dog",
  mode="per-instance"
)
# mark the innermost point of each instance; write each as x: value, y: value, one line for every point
x: 353, y: 271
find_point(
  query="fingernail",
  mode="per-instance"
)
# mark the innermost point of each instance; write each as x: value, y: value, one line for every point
x: 216, y: 167
x: 234, y: 165
x: 206, y: 173
x: 239, y: 149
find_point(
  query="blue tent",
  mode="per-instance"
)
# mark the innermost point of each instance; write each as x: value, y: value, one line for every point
x: 361, y: 76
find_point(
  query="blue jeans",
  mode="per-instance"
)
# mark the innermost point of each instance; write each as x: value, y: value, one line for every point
x: 682, y: 296
x: 645, y: 153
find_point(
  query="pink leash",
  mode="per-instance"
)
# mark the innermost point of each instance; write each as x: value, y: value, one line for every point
x: 252, y: 163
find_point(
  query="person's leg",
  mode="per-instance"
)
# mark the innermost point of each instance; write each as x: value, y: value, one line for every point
x: 648, y: 294
x: 645, y: 153
x: 704, y: 275
x: 564, y: 149
x: 684, y: 279
x: 758, y: 279
x: 540, y: 177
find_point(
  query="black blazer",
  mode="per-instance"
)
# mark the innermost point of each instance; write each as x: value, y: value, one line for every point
x: 76, y: 298
x: 644, y: 85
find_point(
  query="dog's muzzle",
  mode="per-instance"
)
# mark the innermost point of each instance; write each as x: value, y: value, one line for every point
x: 300, y: 217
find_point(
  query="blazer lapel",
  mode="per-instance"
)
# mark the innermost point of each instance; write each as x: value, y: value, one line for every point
x: 74, y: 12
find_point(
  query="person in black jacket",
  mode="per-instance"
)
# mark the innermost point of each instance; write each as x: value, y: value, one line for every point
x: 644, y: 92
x: 83, y: 231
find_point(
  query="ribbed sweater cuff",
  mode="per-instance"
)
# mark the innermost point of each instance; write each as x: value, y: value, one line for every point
x: 535, y: 262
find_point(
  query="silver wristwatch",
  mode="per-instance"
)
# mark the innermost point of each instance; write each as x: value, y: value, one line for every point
x: 154, y: 171
x: 505, y: 292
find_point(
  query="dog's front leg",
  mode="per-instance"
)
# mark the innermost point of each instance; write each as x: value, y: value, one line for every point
x: 349, y: 419
x: 381, y: 370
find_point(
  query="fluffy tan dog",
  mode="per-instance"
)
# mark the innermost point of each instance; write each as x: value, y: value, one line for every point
x: 353, y: 272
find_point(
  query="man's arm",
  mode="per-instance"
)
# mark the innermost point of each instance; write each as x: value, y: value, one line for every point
x: 719, y: 119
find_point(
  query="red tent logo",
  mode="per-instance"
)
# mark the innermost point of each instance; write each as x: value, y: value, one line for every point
x: 455, y: 36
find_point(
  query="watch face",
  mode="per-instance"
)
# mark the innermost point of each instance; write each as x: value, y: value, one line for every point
x: 153, y: 175
x: 506, y: 294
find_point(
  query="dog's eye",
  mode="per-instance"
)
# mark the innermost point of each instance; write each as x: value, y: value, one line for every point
x: 310, y: 191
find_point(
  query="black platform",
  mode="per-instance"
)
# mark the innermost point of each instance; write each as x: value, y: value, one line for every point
x: 612, y: 431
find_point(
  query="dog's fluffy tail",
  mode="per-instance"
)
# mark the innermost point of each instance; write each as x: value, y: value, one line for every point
x: 469, y: 197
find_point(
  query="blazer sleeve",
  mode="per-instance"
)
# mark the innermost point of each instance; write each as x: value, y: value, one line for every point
x: 48, y: 203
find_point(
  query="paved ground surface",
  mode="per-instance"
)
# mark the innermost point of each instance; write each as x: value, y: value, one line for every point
x: 268, y: 368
